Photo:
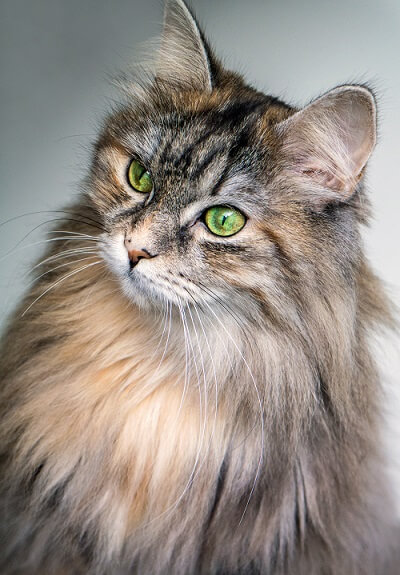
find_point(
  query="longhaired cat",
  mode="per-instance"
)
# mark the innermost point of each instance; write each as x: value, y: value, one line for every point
x: 188, y: 387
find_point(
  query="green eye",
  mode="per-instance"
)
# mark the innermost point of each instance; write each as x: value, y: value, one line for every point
x: 139, y: 178
x: 224, y: 221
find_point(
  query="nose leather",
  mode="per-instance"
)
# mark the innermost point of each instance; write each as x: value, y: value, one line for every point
x: 136, y: 255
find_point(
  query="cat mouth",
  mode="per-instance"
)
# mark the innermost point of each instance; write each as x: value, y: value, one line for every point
x: 154, y: 287
x: 147, y: 279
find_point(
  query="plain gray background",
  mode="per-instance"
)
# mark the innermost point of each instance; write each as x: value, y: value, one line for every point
x: 57, y: 57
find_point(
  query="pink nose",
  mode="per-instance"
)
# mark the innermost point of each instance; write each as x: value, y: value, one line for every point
x: 136, y: 255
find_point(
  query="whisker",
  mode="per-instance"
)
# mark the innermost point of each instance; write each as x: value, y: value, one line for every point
x: 187, y: 372
x: 51, y: 231
x: 228, y: 355
x: 77, y: 234
x: 195, y: 307
x: 95, y: 286
x: 166, y: 343
x: 71, y: 238
x: 214, y: 296
x: 64, y: 265
x: 213, y: 366
x: 202, y: 362
x: 74, y: 136
x: 57, y: 283
x: 164, y: 320
x: 170, y: 509
x: 202, y: 427
x: 205, y: 388
x: 150, y: 383
x: 260, y: 408
x: 66, y: 253
x: 63, y: 238
x: 93, y: 222
x: 32, y: 231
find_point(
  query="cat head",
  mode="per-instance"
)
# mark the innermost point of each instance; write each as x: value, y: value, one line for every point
x: 211, y: 191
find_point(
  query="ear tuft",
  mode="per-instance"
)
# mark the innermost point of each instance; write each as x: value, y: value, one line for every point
x: 183, y: 56
x: 327, y: 144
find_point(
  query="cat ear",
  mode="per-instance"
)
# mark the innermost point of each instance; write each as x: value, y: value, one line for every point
x: 184, y: 56
x: 327, y: 144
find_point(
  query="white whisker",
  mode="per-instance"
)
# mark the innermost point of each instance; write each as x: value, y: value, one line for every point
x: 64, y: 265
x: 64, y: 254
x: 57, y: 283
x: 170, y: 509
x: 205, y: 387
x: 202, y: 427
x: 89, y: 221
x: 164, y: 322
x: 213, y: 367
x: 21, y: 241
x: 260, y: 408
x: 76, y: 234
x: 32, y: 244
x: 166, y: 343
x: 187, y: 371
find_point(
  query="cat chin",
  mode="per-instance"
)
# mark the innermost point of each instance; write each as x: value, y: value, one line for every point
x: 145, y: 293
x: 139, y: 299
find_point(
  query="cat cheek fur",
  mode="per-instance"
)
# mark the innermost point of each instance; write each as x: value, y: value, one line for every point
x: 215, y: 409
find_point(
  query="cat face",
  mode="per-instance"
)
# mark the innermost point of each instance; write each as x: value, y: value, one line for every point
x: 244, y: 198
x: 205, y: 165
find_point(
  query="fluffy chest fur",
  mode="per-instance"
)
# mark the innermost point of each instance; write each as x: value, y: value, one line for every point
x: 145, y: 443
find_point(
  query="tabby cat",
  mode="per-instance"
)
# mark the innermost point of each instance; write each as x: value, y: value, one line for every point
x: 188, y: 387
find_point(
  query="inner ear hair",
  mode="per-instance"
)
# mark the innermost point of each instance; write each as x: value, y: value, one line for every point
x: 327, y: 144
x: 184, y: 57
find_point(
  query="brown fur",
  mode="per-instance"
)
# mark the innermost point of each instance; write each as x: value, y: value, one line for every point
x: 219, y: 414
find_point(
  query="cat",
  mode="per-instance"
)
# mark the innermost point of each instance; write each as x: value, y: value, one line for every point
x: 188, y: 387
